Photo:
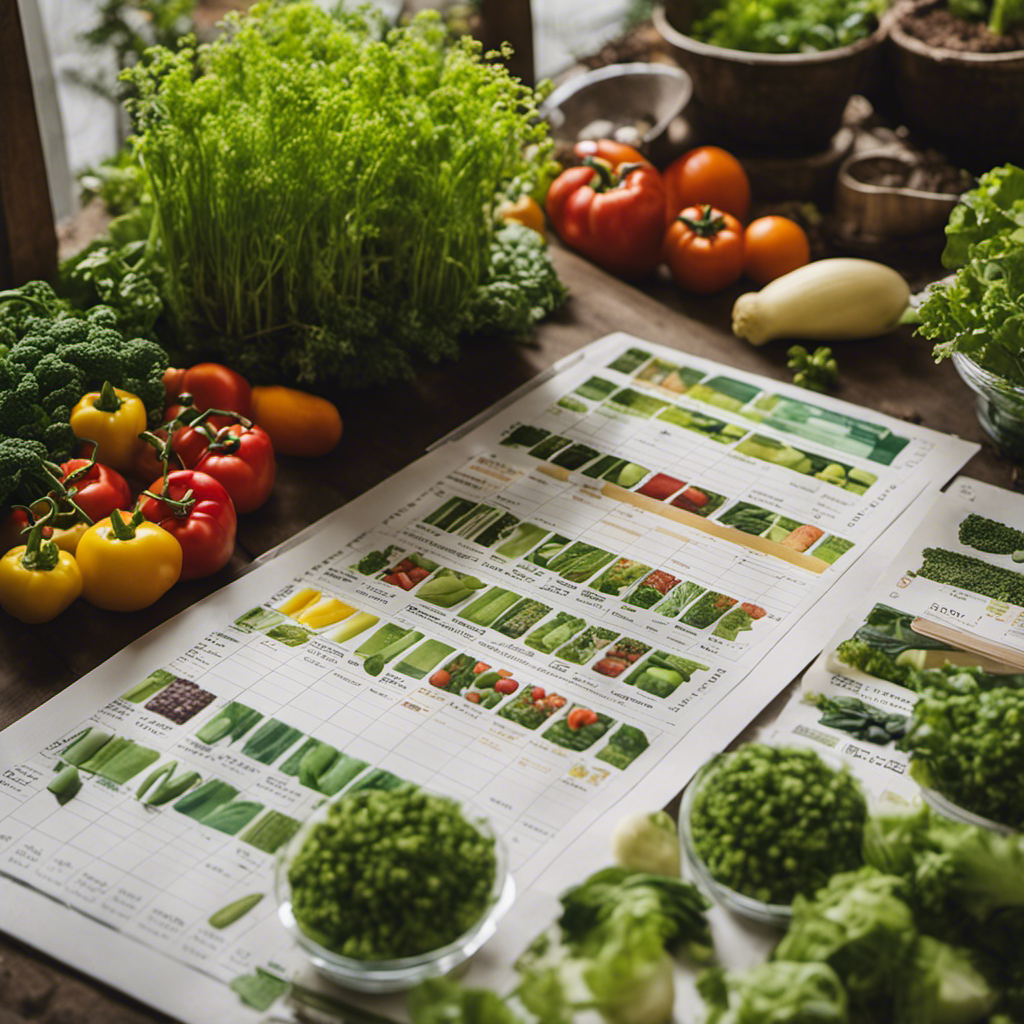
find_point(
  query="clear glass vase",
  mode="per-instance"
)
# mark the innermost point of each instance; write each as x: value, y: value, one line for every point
x: 998, y: 403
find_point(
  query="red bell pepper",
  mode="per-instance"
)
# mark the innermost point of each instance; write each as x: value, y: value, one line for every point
x: 616, y: 153
x: 198, y: 512
x: 242, y: 459
x: 97, y: 489
x: 615, y: 218
x: 212, y: 386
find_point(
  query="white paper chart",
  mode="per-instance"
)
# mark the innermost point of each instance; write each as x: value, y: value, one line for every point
x: 570, y: 605
x: 911, y: 622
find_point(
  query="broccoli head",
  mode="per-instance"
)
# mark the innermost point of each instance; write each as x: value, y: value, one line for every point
x: 23, y: 473
x: 970, y: 748
x: 50, y: 358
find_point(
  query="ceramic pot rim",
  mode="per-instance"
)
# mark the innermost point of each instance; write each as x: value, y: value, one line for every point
x: 1008, y: 59
x: 674, y: 37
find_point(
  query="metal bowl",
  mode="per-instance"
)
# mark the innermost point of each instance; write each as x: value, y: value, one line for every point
x: 643, y: 97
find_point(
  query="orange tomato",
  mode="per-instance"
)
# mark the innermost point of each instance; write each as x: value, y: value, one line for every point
x: 298, y: 423
x: 774, y: 246
x: 704, y: 249
x: 525, y: 210
x: 706, y: 174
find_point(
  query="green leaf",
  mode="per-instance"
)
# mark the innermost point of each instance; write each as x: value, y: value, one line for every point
x: 444, y: 1001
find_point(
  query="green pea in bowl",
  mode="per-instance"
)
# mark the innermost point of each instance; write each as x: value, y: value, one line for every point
x: 696, y: 867
x: 350, y: 894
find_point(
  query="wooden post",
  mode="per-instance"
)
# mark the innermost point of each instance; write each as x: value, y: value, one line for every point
x: 28, y: 239
x: 510, y: 21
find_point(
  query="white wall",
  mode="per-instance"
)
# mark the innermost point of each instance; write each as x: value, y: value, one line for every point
x: 565, y: 30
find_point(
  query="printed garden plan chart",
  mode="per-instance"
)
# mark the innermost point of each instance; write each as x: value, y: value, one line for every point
x: 924, y: 612
x: 640, y: 536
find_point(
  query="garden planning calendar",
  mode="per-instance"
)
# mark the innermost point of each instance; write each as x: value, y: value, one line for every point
x: 633, y: 543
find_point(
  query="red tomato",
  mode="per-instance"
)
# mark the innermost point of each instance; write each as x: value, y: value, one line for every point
x: 506, y: 686
x: 774, y: 246
x: 537, y: 693
x: 206, y: 531
x: 99, y: 491
x: 242, y: 459
x: 217, y: 387
x: 146, y: 465
x: 473, y: 697
x: 172, y: 383
x: 704, y: 249
x: 11, y: 529
x: 189, y: 442
x: 580, y: 717
x: 706, y: 175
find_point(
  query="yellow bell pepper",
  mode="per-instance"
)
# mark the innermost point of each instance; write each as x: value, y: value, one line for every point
x: 113, y: 419
x: 299, y: 601
x: 67, y: 538
x: 38, y: 580
x: 526, y: 211
x: 127, y: 566
x: 325, y: 613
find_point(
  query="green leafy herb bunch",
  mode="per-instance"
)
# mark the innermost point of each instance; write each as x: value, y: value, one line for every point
x: 325, y: 188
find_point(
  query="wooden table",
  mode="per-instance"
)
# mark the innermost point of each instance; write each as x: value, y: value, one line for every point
x: 385, y: 430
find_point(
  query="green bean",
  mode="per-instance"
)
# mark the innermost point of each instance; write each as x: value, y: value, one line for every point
x: 233, y: 911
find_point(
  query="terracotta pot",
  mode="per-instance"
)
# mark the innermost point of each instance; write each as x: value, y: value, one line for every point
x: 970, y: 103
x: 783, y: 102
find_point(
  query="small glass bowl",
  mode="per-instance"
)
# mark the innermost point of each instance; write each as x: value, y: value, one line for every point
x: 944, y: 806
x: 998, y: 404
x: 397, y: 975
x: 775, y: 914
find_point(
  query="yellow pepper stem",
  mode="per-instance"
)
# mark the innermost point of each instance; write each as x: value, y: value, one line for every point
x: 108, y: 401
x: 41, y: 555
x: 125, y: 530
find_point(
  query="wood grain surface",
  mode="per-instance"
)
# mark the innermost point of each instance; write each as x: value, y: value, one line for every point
x: 385, y: 430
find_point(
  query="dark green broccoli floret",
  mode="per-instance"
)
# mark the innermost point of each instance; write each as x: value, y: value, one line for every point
x: 59, y: 437
x: 23, y: 474
x: 67, y: 332
x: 56, y: 359
x: 33, y: 300
x: 521, y: 286
x: 97, y: 362
x: 102, y: 316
